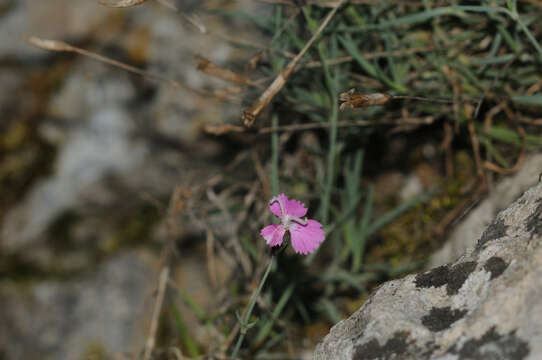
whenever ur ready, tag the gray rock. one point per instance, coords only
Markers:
(486, 305)
(466, 233)
(105, 310)
(54, 19)
(115, 145)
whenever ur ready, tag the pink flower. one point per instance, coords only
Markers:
(306, 235)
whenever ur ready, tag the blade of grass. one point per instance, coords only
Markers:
(494, 152)
(352, 49)
(533, 100)
(274, 156)
(372, 70)
(512, 137)
(396, 212)
(200, 313)
(266, 328)
(330, 310)
(262, 21)
(407, 20)
(358, 246)
(187, 341)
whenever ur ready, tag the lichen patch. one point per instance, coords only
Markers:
(497, 229)
(453, 277)
(496, 266)
(440, 319)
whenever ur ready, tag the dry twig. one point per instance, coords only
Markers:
(54, 45)
(151, 340)
(227, 128)
(210, 68)
(352, 99)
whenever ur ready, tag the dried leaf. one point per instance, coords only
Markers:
(54, 45)
(46, 44)
(351, 99)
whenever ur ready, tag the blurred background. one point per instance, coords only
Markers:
(131, 201)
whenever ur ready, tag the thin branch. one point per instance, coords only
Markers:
(352, 99)
(151, 340)
(226, 128)
(210, 68)
(54, 45)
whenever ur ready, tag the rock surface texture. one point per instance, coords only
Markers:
(103, 312)
(90, 155)
(486, 305)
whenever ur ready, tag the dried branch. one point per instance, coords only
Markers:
(352, 99)
(250, 114)
(208, 67)
(227, 128)
(54, 45)
(151, 340)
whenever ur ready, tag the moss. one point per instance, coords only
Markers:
(412, 236)
(95, 351)
(15, 136)
(132, 229)
(129, 230)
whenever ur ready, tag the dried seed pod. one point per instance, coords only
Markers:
(351, 99)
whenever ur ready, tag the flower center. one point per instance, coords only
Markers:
(287, 219)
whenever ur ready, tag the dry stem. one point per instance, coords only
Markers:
(151, 340)
(54, 45)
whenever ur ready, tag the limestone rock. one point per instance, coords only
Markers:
(120, 139)
(100, 312)
(486, 305)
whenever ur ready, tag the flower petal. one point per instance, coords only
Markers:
(305, 239)
(291, 207)
(273, 234)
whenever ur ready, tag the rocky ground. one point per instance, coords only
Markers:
(90, 156)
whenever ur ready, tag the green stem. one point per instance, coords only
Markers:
(274, 157)
(244, 322)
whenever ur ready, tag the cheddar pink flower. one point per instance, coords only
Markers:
(306, 234)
